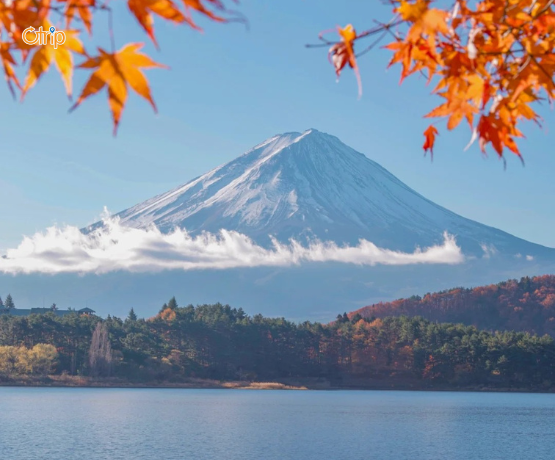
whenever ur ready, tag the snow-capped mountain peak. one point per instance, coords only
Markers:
(311, 185)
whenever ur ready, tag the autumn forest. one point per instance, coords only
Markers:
(526, 305)
(372, 348)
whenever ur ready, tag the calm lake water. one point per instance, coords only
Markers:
(136, 424)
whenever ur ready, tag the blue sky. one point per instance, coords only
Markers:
(228, 89)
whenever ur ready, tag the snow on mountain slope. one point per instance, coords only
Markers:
(311, 185)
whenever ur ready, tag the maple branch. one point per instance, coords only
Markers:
(545, 72)
(545, 9)
(382, 26)
(524, 65)
(374, 43)
(367, 33)
(393, 22)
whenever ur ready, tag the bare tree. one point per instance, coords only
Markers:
(100, 352)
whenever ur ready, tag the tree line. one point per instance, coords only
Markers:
(224, 343)
(7, 304)
(526, 305)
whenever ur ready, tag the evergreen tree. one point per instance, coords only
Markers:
(163, 307)
(172, 304)
(9, 302)
(525, 284)
(132, 316)
(356, 318)
(1, 303)
(53, 307)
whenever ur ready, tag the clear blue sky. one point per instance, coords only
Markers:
(228, 89)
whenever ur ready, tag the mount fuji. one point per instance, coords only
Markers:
(309, 185)
(296, 189)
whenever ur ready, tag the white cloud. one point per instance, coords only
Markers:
(529, 257)
(120, 248)
(489, 251)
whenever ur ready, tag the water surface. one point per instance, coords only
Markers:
(182, 424)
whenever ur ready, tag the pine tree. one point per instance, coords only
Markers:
(1, 303)
(132, 316)
(9, 302)
(163, 307)
(53, 307)
(172, 304)
(356, 318)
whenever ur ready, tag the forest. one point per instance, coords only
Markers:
(527, 305)
(224, 343)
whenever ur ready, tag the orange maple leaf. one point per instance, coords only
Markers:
(44, 55)
(343, 53)
(116, 71)
(81, 7)
(8, 63)
(430, 139)
(143, 10)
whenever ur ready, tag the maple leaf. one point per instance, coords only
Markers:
(428, 21)
(8, 63)
(477, 90)
(166, 9)
(18, 15)
(341, 54)
(81, 7)
(430, 139)
(456, 108)
(117, 71)
(412, 11)
(494, 131)
(44, 55)
(197, 5)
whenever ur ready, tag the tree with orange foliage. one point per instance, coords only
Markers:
(490, 60)
(28, 28)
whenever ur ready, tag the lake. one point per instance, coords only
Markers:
(182, 424)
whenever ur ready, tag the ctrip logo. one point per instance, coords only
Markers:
(41, 37)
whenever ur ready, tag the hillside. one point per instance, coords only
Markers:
(525, 305)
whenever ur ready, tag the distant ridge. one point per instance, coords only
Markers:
(524, 305)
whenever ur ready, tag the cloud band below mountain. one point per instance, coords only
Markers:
(119, 248)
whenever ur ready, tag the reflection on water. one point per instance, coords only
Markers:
(137, 424)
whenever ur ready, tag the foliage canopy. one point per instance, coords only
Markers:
(491, 61)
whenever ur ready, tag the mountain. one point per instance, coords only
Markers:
(304, 186)
(525, 305)
(311, 185)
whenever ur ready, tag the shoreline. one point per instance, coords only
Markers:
(57, 381)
